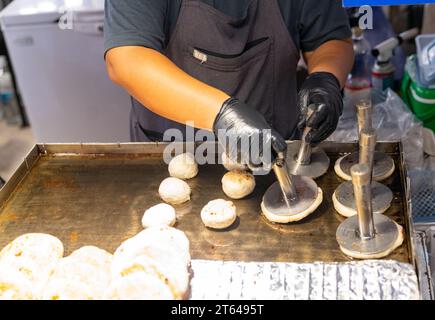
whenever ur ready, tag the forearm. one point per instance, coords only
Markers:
(336, 57)
(165, 89)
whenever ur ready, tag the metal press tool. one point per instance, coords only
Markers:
(303, 160)
(344, 197)
(383, 165)
(367, 235)
(290, 195)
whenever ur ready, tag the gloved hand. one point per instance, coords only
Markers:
(323, 90)
(245, 133)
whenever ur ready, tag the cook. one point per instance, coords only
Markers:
(231, 66)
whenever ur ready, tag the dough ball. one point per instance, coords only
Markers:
(376, 175)
(14, 285)
(175, 276)
(138, 286)
(77, 279)
(33, 257)
(231, 165)
(84, 275)
(159, 252)
(174, 191)
(238, 184)
(183, 167)
(37, 247)
(159, 215)
(93, 256)
(294, 218)
(163, 244)
(219, 214)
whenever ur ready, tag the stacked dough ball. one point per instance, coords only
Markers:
(154, 264)
(26, 265)
(175, 190)
(151, 265)
(237, 184)
(84, 275)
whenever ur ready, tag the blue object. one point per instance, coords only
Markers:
(360, 3)
(5, 98)
(426, 57)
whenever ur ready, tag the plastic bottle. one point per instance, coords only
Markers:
(358, 85)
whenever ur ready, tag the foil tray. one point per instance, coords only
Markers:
(368, 280)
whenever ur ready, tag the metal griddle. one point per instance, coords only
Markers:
(97, 194)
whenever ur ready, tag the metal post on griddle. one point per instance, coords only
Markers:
(366, 235)
(364, 110)
(285, 179)
(367, 143)
(361, 177)
(304, 155)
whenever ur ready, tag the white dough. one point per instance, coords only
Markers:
(183, 167)
(93, 256)
(345, 211)
(163, 244)
(76, 279)
(347, 177)
(32, 256)
(341, 209)
(14, 285)
(219, 214)
(238, 184)
(174, 275)
(84, 275)
(138, 286)
(161, 253)
(230, 165)
(160, 215)
(174, 191)
(380, 255)
(294, 218)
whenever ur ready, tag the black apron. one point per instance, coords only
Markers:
(253, 59)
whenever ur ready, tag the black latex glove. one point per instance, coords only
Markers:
(247, 129)
(323, 90)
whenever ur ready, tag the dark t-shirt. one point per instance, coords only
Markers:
(149, 23)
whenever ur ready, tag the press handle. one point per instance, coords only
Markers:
(304, 154)
(364, 110)
(285, 179)
(361, 178)
(367, 143)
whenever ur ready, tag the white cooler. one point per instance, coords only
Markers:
(61, 72)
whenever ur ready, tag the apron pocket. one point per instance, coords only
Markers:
(230, 62)
(248, 76)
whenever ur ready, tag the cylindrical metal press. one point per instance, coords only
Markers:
(290, 195)
(302, 159)
(366, 235)
(367, 145)
(382, 165)
(364, 110)
(285, 180)
(361, 177)
(344, 197)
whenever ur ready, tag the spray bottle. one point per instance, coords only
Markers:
(383, 70)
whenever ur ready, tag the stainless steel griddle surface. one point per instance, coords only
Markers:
(97, 197)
